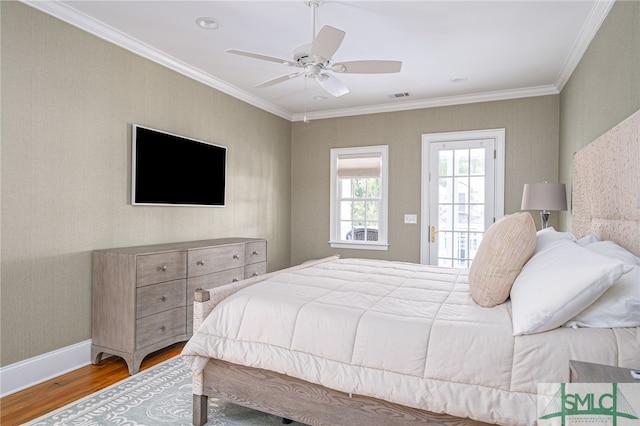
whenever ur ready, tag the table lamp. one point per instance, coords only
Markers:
(545, 197)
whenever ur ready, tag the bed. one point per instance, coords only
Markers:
(365, 342)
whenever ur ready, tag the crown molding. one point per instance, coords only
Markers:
(84, 22)
(99, 29)
(589, 30)
(499, 95)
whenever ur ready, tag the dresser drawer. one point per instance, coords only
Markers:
(212, 280)
(255, 252)
(160, 297)
(255, 269)
(156, 268)
(158, 327)
(215, 259)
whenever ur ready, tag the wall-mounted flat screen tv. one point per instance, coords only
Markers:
(173, 170)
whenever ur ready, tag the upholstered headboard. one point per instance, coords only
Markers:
(606, 186)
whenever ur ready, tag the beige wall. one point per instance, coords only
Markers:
(68, 100)
(531, 149)
(604, 89)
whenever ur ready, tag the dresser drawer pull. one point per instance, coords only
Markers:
(255, 253)
(235, 256)
(163, 328)
(235, 280)
(162, 268)
(200, 262)
(163, 298)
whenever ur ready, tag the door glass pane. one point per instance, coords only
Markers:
(461, 190)
(476, 189)
(445, 217)
(476, 218)
(445, 163)
(445, 190)
(477, 161)
(445, 249)
(460, 248)
(474, 242)
(461, 158)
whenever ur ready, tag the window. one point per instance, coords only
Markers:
(359, 192)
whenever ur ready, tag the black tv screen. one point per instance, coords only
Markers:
(172, 170)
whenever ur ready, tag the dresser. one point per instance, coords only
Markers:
(143, 296)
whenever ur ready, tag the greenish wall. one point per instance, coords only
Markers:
(68, 100)
(531, 155)
(604, 89)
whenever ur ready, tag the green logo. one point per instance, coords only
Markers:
(612, 405)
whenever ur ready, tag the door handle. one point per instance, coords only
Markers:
(433, 234)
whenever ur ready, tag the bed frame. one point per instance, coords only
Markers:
(605, 188)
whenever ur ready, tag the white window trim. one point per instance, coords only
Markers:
(334, 240)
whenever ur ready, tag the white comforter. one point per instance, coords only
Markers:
(406, 333)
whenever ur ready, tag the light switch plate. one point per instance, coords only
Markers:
(410, 218)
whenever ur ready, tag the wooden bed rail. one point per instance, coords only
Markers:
(291, 398)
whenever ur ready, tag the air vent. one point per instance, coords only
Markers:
(399, 95)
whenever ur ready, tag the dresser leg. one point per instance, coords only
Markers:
(96, 355)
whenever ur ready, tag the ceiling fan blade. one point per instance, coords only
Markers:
(332, 85)
(278, 79)
(327, 42)
(262, 57)
(367, 67)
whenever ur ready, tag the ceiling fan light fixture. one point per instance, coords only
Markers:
(207, 23)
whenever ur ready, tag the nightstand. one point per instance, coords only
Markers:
(587, 372)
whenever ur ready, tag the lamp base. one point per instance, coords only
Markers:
(544, 217)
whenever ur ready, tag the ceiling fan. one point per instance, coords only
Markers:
(315, 59)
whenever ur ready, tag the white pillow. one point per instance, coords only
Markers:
(619, 306)
(549, 235)
(587, 239)
(557, 283)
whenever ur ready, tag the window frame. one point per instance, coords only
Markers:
(334, 213)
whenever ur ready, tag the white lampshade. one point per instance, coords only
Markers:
(544, 196)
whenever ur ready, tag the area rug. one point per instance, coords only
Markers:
(160, 395)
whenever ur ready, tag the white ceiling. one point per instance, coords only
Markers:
(503, 49)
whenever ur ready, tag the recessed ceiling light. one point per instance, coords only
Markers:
(207, 23)
(320, 98)
(459, 80)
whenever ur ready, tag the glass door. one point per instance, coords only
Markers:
(461, 204)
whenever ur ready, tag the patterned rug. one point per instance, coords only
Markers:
(157, 396)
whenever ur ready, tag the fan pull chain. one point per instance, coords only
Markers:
(305, 100)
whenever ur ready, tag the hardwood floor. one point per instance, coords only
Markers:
(48, 396)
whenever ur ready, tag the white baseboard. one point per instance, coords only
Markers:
(32, 371)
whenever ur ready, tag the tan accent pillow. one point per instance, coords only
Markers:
(505, 248)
